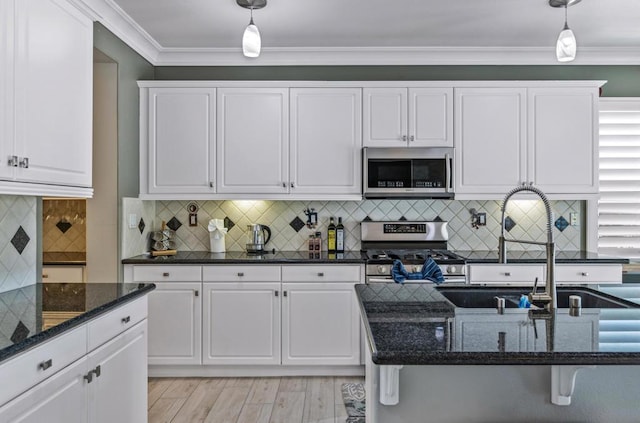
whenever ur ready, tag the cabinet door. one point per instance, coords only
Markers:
(241, 323)
(490, 139)
(326, 141)
(53, 93)
(7, 145)
(431, 117)
(60, 399)
(253, 140)
(181, 149)
(385, 117)
(569, 334)
(175, 321)
(320, 324)
(118, 390)
(480, 332)
(563, 140)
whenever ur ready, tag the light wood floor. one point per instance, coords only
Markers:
(247, 400)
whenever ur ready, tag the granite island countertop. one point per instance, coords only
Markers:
(25, 312)
(241, 257)
(414, 324)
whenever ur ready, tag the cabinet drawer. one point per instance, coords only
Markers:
(520, 274)
(21, 373)
(115, 322)
(326, 273)
(249, 273)
(167, 273)
(589, 273)
(63, 274)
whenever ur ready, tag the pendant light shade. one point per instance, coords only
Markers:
(251, 41)
(566, 46)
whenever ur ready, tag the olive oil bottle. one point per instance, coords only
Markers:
(340, 237)
(331, 236)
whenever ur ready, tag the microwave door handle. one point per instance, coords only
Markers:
(447, 176)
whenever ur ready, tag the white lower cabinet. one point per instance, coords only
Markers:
(175, 328)
(483, 332)
(241, 323)
(108, 384)
(320, 324)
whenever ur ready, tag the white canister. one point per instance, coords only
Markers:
(217, 233)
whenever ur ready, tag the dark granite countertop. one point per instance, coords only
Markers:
(414, 324)
(241, 257)
(562, 256)
(24, 312)
(64, 258)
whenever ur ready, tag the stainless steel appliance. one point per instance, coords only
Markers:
(412, 242)
(257, 237)
(421, 172)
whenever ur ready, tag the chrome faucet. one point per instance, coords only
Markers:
(549, 297)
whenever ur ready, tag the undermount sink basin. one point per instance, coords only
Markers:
(482, 297)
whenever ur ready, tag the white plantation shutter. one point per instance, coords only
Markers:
(619, 204)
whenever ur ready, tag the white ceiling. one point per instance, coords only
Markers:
(377, 31)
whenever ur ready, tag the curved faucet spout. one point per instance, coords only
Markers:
(549, 297)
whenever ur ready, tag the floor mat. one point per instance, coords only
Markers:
(353, 397)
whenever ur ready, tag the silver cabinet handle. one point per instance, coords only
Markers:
(404, 138)
(292, 185)
(88, 377)
(97, 371)
(196, 292)
(276, 293)
(240, 274)
(210, 184)
(284, 185)
(24, 163)
(284, 293)
(507, 273)
(45, 364)
(165, 274)
(13, 161)
(320, 274)
(45, 276)
(412, 138)
(585, 274)
(126, 319)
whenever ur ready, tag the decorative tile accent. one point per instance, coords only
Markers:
(297, 224)
(561, 223)
(174, 224)
(64, 226)
(141, 226)
(437, 219)
(20, 333)
(20, 240)
(228, 223)
(509, 224)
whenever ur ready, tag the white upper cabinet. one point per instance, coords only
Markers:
(414, 117)
(47, 87)
(545, 136)
(490, 139)
(180, 148)
(253, 140)
(563, 139)
(326, 142)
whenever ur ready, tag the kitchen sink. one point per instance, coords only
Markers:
(482, 297)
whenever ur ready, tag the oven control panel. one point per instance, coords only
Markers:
(404, 228)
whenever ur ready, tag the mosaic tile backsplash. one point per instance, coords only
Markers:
(528, 221)
(63, 226)
(17, 243)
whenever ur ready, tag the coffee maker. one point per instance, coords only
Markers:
(257, 237)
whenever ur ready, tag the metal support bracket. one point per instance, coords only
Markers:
(389, 384)
(563, 381)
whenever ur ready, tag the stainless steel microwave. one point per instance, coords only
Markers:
(420, 172)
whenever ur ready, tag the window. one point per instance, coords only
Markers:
(619, 204)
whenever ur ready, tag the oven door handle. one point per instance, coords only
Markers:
(380, 279)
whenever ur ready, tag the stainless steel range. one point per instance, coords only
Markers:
(412, 242)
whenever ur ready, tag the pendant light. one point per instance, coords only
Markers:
(566, 45)
(251, 42)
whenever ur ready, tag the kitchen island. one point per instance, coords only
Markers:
(429, 360)
(74, 352)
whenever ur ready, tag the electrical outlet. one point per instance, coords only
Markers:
(133, 221)
(573, 218)
(482, 219)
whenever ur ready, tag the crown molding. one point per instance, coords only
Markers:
(108, 13)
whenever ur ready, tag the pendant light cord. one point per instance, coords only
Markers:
(566, 26)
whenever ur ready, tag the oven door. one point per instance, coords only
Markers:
(408, 172)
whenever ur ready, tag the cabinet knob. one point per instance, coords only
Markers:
(284, 185)
(507, 273)
(97, 371)
(210, 184)
(240, 274)
(404, 138)
(45, 364)
(126, 319)
(45, 276)
(412, 138)
(88, 377)
(165, 274)
(585, 274)
(24, 163)
(292, 185)
(13, 161)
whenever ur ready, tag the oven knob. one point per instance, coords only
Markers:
(451, 269)
(383, 270)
